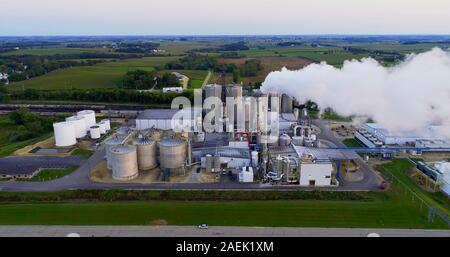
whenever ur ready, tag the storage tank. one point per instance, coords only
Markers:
(217, 163)
(124, 162)
(275, 102)
(65, 134)
(102, 127)
(172, 153)
(262, 106)
(123, 131)
(233, 90)
(255, 158)
(297, 113)
(285, 140)
(213, 90)
(297, 140)
(109, 144)
(90, 117)
(146, 154)
(107, 124)
(209, 162)
(95, 132)
(80, 125)
(287, 104)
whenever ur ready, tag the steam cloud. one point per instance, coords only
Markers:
(405, 98)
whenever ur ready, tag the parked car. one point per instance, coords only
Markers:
(203, 226)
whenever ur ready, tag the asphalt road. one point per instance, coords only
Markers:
(192, 231)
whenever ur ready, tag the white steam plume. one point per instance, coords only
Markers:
(404, 98)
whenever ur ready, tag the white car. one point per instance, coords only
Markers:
(203, 226)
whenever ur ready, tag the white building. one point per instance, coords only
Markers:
(316, 173)
(246, 175)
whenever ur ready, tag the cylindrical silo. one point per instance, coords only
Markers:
(213, 90)
(146, 153)
(255, 158)
(102, 127)
(65, 134)
(172, 153)
(209, 159)
(109, 144)
(80, 125)
(122, 131)
(124, 160)
(107, 124)
(90, 117)
(297, 140)
(287, 104)
(217, 163)
(95, 132)
(262, 109)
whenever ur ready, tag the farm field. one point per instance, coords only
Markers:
(103, 75)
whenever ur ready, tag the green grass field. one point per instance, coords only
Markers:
(54, 51)
(391, 209)
(351, 142)
(6, 147)
(51, 174)
(103, 75)
(83, 153)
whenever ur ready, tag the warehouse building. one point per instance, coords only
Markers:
(166, 119)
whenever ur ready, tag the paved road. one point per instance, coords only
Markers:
(192, 231)
(371, 180)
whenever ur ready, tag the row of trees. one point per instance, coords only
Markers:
(140, 79)
(100, 95)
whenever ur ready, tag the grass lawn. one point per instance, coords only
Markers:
(391, 209)
(351, 142)
(51, 174)
(400, 168)
(83, 153)
(103, 75)
(6, 147)
(335, 116)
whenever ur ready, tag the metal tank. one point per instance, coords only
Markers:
(90, 117)
(146, 154)
(102, 127)
(209, 162)
(172, 153)
(217, 163)
(275, 102)
(285, 140)
(212, 90)
(80, 125)
(297, 140)
(262, 105)
(287, 104)
(123, 131)
(255, 158)
(124, 160)
(107, 124)
(65, 134)
(95, 132)
(109, 144)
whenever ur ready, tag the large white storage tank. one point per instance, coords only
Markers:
(95, 132)
(65, 134)
(146, 152)
(124, 162)
(109, 144)
(80, 125)
(172, 153)
(90, 117)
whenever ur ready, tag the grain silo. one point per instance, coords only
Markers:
(285, 140)
(274, 102)
(209, 162)
(65, 134)
(213, 90)
(79, 123)
(287, 104)
(90, 117)
(172, 153)
(109, 144)
(124, 162)
(217, 163)
(95, 132)
(146, 154)
(262, 109)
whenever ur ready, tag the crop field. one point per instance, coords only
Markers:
(332, 55)
(401, 48)
(103, 75)
(54, 51)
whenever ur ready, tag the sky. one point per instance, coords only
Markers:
(223, 17)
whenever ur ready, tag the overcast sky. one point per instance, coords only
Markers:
(223, 17)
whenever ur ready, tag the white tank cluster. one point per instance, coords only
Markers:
(81, 124)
